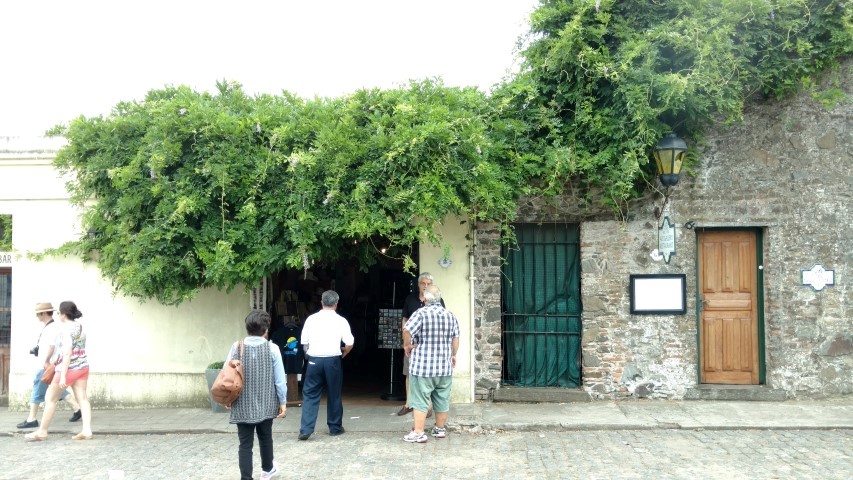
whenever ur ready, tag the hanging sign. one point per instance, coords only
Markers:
(6, 259)
(258, 296)
(666, 239)
(818, 277)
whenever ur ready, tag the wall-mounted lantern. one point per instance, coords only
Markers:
(669, 157)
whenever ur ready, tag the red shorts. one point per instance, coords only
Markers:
(72, 376)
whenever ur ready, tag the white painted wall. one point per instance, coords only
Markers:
(169, 346)
(456, 292)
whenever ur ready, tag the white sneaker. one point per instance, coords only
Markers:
(266, 475)
(416, 437)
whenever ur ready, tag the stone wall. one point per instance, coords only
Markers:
(789, 168)
(648, 355)
(786, 170)
(487, 312)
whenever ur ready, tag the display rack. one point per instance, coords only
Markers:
(390, 337)
(390, 334)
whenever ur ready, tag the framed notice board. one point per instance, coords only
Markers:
(655, 294)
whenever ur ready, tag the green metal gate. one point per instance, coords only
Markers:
(541, 319)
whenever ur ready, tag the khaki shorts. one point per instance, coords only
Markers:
(424, 389)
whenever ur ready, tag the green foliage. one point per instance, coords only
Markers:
(5, 233)
(196, 190)
(604, 80)
(829, 92)
(830, 98)
(216, 365)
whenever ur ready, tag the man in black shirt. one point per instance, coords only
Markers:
(414, 301)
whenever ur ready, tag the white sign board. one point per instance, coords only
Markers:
(818, 277)
(6, 259)
(658, 294)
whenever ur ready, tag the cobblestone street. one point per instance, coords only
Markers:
(641, 454)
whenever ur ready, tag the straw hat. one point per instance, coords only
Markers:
(44, 307)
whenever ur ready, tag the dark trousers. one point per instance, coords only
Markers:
(322, 372)
(246, 434)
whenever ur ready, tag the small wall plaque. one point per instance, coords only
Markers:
(818, 277)
(666, 239)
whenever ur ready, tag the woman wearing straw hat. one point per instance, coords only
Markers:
(73, 371)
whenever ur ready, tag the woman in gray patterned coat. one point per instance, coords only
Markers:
(264, 395)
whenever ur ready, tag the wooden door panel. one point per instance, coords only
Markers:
(710, 275)
(712, 353)
(746, 260)
(729, 268)
(727, 339)
(729, 316)
(729, 302)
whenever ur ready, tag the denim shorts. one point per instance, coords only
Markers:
(40, 389)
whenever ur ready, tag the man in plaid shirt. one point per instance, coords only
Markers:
(431, 363)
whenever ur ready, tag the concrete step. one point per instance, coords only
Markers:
(540, 395)
(758, 393)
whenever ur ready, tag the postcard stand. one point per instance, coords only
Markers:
(390, 337)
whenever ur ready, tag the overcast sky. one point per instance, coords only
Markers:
(61, 59)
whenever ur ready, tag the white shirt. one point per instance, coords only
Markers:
(324, 331)
(49, 337)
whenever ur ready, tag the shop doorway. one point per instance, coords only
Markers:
(368, 300)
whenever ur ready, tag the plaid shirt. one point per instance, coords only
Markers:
(435, 328)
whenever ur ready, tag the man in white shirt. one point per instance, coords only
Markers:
(46, 353)
(322, 336)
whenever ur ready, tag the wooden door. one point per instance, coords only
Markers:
(5, 327)
(728, 320)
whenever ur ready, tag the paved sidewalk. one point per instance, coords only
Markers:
(614, 415)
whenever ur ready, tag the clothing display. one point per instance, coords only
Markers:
(288, 338)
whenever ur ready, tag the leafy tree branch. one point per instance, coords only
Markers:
(194, 190)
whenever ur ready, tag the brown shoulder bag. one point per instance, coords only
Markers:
(229, 383)
(49, 372)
